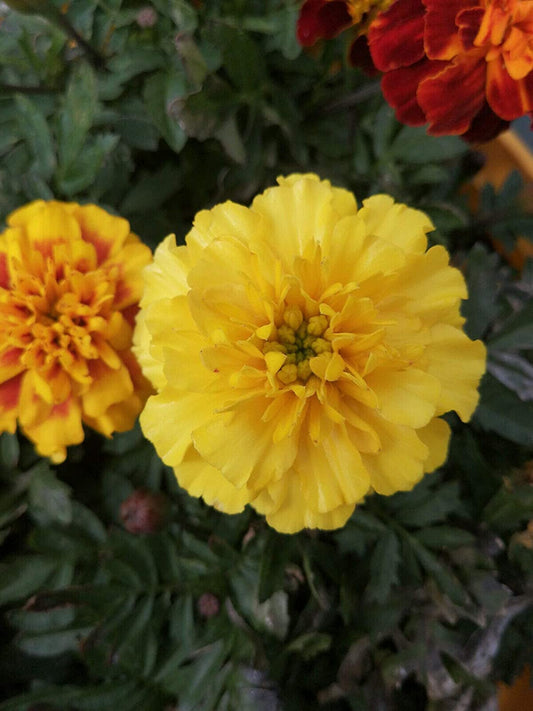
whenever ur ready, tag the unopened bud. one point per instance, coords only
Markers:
(144, 511)
(146, 17)
(208, 605)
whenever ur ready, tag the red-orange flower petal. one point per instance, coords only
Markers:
(400, 90)
(464, 79)
(441, 39)
(467, 64)
(507, 97)
(396, 37)
(322, 19)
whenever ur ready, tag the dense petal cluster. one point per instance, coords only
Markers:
(303, 350)
(70, 283)
(463, 66)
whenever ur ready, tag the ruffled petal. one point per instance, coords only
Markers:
(62, 427)
(464, 80)
(507, 97)
(321, 19)
(200, 479)
(400, 87)
(436, 436)
(441, 37)
(459, 364)
(400, 463)
(396, 37)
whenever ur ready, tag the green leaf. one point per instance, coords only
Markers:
(51, 644)
(9, 450)
(517, 331)
(438, 537)
(500, 410)
(442, 575)
(310, 644)
(48, 498)
(435, 505)
(242, 58)
(34, 129)
(23, 576)
(276, 554)
(481, 307)
(160, 91)
(81, 173)
(77, 114)
(513, 371)
(384, 563)
(413, 145)
(230, 138)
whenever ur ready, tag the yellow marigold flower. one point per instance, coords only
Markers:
(70, 283)
(303, 351)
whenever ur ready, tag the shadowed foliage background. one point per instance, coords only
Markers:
(117, 589)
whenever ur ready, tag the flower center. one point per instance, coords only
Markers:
(300, 339)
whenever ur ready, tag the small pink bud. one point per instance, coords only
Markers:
(146, 17)
(208, 605)
(144, 511)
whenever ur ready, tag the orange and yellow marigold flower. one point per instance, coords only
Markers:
(70, 283)
(303, 351)
(463, 66)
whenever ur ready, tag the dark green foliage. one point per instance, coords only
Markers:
(423, 600)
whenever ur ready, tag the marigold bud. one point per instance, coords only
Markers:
(208, 605)
(144, 512)
(146, 17)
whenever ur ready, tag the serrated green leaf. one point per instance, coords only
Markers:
(500, 410)
(77, 114)
(275, 557)
(309, 644)
(23, 576)
(384, 564)
(517, 331)
(435, 506)
(413, 145)
(481, 307)
(513, 371)
(34, 129)
(438, 537)
(81, 173)
(49, 498)
(160, 91)
(51, 644)
(442, 575)
(9, 450)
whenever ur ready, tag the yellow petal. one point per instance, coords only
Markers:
(406, 397)
(62, 427)
(396, 223)
(436, 436)
(459, 364)
(169, 418)
(109, 386)
(201, 479)
(400, 463)
(107, 233)
(241, 445)
(282, 504)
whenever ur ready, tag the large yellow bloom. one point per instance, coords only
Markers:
(70, 283)
(303, 350)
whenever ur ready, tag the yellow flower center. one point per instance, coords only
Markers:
(300, 339)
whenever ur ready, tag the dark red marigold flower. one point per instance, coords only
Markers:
(465, 67)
